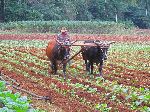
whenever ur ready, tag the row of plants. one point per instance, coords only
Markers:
(31, 58)
(14, 102)
(113, 69)
(80, 27)
(73, 70)
(133, 56)
(60, 88)
(124, 53)
(89, 89)
(38, 83)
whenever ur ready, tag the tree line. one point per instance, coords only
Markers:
(136, 11)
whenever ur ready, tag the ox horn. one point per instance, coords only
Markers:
(101, 42)
(111, 42)
(97, 42)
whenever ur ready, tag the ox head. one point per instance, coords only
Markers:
(104, 53)
(64, 48)
(104, 45)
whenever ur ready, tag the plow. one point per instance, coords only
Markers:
(86, 43)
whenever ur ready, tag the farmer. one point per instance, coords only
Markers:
(64, 38)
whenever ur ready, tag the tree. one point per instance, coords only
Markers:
(83, 13)
(2, 11)
(105, 9)
(147, 5)
(114, 9)
(83, 10)
(97, 9)
(69, 10)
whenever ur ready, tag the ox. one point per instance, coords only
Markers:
(94, 54)
(56, 52)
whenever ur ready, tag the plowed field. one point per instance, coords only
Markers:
(124, 86)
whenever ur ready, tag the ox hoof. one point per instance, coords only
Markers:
(54, 73)
(101, 77)
(87, 73)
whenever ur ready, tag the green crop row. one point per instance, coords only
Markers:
(88, 27)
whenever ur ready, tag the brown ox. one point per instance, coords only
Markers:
(56, 51)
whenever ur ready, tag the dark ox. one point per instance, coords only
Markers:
(56, 51)
(94, 54)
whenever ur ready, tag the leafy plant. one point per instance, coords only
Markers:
(2, 85)
(103, 107)
(91, 90)
(14, 102)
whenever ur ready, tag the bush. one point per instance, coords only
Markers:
(88, 27)
(142, 22)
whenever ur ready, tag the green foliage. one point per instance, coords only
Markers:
(79, 10)
(137, 16)
(88, 27)
(14, 102)
(18, 11)
(103, 107)
(2, 85)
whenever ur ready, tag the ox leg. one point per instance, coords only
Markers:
(87, 66)
(100, 68)
(91, 66)
(54, 67)
(64, 71)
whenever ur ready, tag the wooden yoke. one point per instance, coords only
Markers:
(102, 44)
